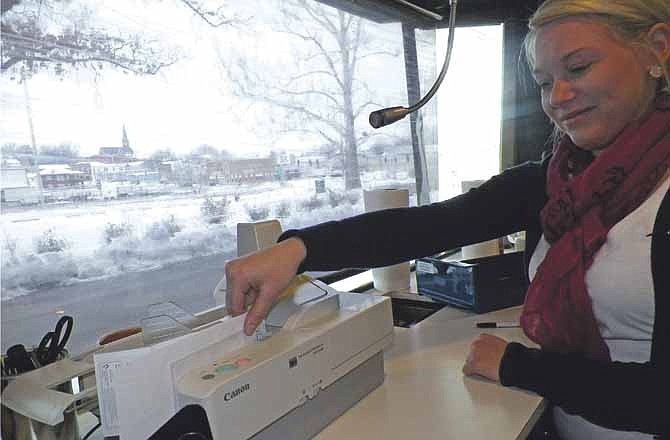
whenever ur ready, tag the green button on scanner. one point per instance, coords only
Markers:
(226, 368)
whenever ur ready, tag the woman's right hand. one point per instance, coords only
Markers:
(258, 279)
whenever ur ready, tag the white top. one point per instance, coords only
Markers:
(623, 305)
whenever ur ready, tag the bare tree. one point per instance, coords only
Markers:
(325, 97)
(64, 149)
(33, 40)
(205, 150)
(214, 13)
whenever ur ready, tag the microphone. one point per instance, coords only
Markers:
(386, 116)
(389, 115)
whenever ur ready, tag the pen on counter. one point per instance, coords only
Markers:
(499, 324)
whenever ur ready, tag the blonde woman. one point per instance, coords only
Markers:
(596, 215)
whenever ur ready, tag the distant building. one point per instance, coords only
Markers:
(212, 171)
(130, 171)
(166, 171)
(14, 184)
(61, 176)
(96, 171)
(124, 151)
(217, 171)
(116, 152)
(242, 170)
(84, 167)
(106, 159)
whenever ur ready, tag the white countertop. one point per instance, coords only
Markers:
(425, 392)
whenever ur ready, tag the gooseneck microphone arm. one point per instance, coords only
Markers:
(386, 116)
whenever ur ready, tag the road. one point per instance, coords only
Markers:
(99, 307)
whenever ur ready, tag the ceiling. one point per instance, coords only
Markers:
(470, 12)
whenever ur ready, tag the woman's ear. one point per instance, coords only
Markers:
(658, 39)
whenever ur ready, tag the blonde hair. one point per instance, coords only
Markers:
(629, 19)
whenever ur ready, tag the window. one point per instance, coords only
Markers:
(470, 108)
(186, 118)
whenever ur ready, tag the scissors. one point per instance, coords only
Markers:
(53, 342)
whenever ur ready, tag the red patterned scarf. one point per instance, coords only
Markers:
(587, 197)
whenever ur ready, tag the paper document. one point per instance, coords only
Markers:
(136, 386)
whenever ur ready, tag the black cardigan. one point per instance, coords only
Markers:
(623, 396)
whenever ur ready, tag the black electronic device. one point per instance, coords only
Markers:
(481, 284)
(190, 423)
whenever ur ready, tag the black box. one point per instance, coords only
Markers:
(481, 284)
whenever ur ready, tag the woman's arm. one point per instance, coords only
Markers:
(616, 395)
(504, 204)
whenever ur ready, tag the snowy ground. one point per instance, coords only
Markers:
(157, 230)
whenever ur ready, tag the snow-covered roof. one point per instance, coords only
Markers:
(11, 163)
(46, 170)
(55, 166)
(141, 173)
(102, 165)
(92, 163)
(54, 172)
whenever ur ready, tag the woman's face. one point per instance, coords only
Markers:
(593, 84)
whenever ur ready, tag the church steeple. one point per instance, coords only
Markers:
(124, 142)
(125, 147)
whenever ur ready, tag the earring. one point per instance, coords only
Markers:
(656, 71)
